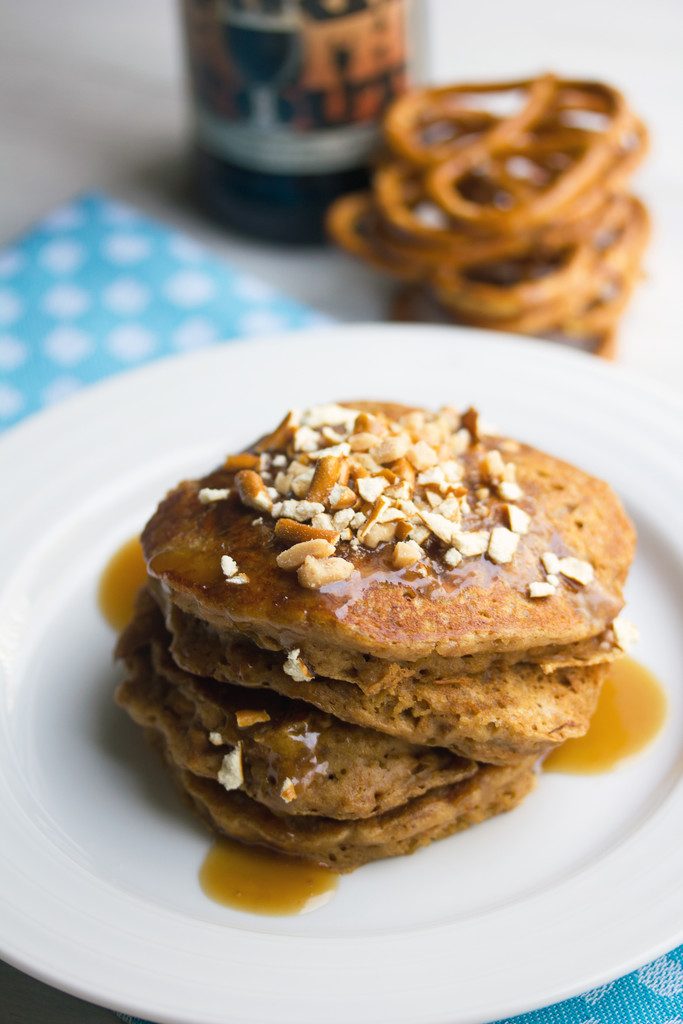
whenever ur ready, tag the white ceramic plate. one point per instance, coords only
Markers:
(99, 861)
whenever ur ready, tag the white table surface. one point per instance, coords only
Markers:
(92, 96)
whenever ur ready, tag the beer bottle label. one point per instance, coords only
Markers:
(293, 86)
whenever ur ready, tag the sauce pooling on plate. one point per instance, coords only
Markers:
(630, 713)
(120, 581)
(263, 882)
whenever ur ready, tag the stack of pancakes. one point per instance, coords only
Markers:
(366, 631)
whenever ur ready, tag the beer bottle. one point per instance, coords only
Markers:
(287, 97)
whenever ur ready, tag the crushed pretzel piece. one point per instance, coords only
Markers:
(403, 530)
(370, 487)
(541, 589)
(421, 456)
(332, 436)
(404, 470)
(228, 566)
(282, 434)
(438, 525)
(330, 415)
(288, 791)
(362, 442)
(291, 531)
(306, 440)
(301, 511)
(245, 719)
(406, 553)
(323, 521)
(576, 569)
(207, 495)
(518, 519)
(342, 519)
(502, 545)
(315, 573)
(379, 533)
(390, 449)
(492, 465)
(625, 633)
(433, 475)
(293, 557)
(301, 483)
(452, 558)
(246, 460)
(551, 562)
(341, 497)
(283, 483)
(324, 478)
(230, 774)
(471, 542)
(472, 423)
(296, 668)
(509, 490)
(340, 450)
(376, 511)
(419, 534)
(252, 490)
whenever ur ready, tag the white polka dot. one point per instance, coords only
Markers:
(261, 321)
(126, 248)
(11, 263)
(61, 256)
(189, 288)
(59, 388)
(66, 300)
(11, 401)
(252, 290)
(126, 296)
(185, 248)
(194, 333)
(64, 217)
(117, 213)
(12, 352)
(10, 306)
(130, 342)
(68, 345)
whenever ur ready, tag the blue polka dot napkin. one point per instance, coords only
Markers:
(96, 288)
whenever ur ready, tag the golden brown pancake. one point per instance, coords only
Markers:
(345, 845)
(336, 770)
(512, 713)
(477, 606)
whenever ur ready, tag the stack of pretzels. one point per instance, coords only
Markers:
(506, 206)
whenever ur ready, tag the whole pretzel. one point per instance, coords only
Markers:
(519, 222)
(591, 158)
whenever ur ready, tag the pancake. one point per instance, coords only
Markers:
(502, 717)
(481, 605)
(371, 673)
(322, 765)
(347, 845)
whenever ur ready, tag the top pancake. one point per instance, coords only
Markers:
(429, 608)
